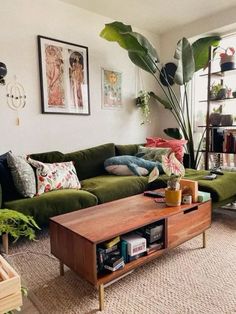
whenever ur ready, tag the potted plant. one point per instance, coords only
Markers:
(142, 102)
(227, 59)
(189, 59)
(16, 224)
(175, 170)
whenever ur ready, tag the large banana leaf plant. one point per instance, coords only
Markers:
(189, 59)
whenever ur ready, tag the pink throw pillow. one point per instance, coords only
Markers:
(175, 145)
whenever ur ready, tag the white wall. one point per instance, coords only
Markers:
(222, 23)
(21, 22)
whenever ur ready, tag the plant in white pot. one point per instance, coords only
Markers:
(175, 170)
(227, 59)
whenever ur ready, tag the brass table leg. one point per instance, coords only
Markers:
(204, 239)
(101, 297)
(5, 242)
(61, 268)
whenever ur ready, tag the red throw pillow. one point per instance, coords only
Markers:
(175, 145)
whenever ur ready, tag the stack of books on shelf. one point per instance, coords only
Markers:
(109, 256)
(114, 254)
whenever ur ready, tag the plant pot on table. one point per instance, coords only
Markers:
(173, 197)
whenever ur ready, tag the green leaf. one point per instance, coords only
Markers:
(17, 224)
(201, 50)
(173, 132)
(186, 66)
(121, 33)
(164, 102)
(140, 50)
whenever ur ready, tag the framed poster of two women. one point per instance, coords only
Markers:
(64, 77)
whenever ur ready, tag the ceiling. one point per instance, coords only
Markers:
(157, 16)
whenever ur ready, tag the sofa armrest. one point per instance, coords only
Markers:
(0, 196)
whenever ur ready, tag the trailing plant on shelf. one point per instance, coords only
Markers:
(189, 58)
(17, 224)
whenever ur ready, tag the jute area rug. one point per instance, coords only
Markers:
(187, 279)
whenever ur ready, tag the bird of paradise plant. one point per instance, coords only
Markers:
(189, 58)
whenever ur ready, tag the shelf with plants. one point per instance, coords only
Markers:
(220, 128)
(218, 100)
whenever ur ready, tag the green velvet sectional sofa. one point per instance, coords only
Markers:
(100, 187)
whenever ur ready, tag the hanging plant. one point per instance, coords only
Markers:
(142, 102)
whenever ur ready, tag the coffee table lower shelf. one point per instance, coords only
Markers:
(105, 279)
(83, 230)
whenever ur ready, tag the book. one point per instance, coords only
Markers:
(133, 258)
(113, 261)
(135, 243)
(123, 250)
(190, 186)
(118, 266)
(111, 243)
(154, 247)
(203, 196)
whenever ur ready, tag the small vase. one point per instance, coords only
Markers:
(173, 197)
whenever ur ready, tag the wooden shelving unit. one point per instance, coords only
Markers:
(209, 128)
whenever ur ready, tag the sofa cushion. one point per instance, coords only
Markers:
(89, 162)
(22, 174)
(110, 187)
(152, 153)
(53, 203)
(55, 176)
(177, 146)
(128, 149)
(49, 157)
(9, 191)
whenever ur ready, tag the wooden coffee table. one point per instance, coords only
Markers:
(74, 236)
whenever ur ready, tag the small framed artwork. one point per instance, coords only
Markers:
(111, 89)
(64, 77)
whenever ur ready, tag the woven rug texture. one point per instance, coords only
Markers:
(187, 279)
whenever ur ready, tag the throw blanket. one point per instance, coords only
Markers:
(221, 188)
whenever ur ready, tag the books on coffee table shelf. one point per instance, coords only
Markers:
(112, 255)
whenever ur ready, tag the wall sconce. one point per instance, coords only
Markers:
(3, 73)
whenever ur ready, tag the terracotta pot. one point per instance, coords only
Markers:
(173, 197)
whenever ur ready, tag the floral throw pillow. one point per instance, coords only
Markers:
(55, 176)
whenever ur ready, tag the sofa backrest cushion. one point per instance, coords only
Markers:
(90, 162)
(9, 191)
(128, 149)
(48, 157)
